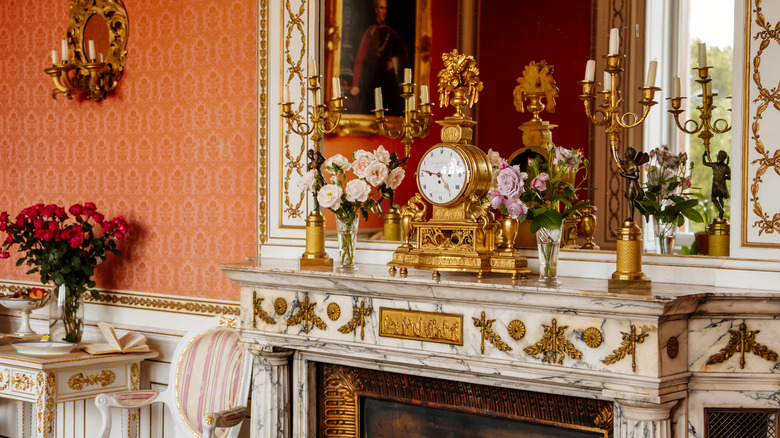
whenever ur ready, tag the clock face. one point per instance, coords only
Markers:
(442, 175)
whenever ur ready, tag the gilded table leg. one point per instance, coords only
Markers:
(131, 417)
(45, 407)
(23, 419)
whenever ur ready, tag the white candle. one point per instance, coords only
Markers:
(607, 81)
(336, 87)
(614, 41)
(702, 55)
(407, 75)
(286, 94)
(64, 51)
(424, 97)
(312, 67)
(590, 70)
(54, 57)
(91, 50)
(100, 57)
(651, 70)
(676, 87)
(378, 98)
(319, 96)
(412, 103)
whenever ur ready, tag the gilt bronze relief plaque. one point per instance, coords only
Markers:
(444, 328)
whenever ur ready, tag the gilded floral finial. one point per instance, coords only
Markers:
(461, 77)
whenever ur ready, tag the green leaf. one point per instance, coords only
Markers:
(20, 261)
(693, 215)
(95, 294)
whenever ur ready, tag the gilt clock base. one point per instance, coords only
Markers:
(480, 264)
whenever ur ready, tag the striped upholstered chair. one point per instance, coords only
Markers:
(209, 384)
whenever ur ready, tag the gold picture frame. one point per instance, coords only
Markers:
(346, 21)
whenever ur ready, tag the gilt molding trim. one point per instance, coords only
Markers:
(78, 381)
(765, 103)
(262, 123)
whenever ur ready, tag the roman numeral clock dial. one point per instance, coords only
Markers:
(442, 175)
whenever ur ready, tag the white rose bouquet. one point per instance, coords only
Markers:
(347, 194)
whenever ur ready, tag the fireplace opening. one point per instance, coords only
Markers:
(357, 402)
(391, 419)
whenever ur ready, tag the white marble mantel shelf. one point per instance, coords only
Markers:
(699, 318)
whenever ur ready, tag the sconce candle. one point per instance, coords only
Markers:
(424, 97)
(607, 81)
(590, 70)
(676, 87)
(312, 67)
(702, 55)
(407, 76)
(651, 70)
(54, 57)
(412, 103)
(614, 41)
(286, 94)
(336, 87)
(100, 57)
(378, 98)
(64, 51)
(91, 50)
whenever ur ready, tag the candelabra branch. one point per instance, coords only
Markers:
(321, 119)
(415, 123)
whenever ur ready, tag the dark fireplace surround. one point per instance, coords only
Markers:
(343, 390)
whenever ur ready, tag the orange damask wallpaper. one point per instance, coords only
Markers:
(173, 149)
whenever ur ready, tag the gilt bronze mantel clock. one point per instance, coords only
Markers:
(453, 177)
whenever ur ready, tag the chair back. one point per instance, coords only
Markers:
(212, 372)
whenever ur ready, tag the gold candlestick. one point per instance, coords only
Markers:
(416, 123)
(629, 275)
(719, 230)
(324, 120)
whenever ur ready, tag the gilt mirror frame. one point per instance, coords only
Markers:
(118, 26)
(335, 34)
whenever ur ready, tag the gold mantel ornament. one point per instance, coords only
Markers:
(628, 346)
(486, 330)
(454, 177)
(359, 315)
(307, 316)
(554, 346)
(81, 70)
(742, 341)
(629, 276)
(258, 312)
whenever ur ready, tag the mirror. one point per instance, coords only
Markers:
(96, 31)
(510, 37)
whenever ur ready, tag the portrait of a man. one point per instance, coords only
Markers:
(377, 45)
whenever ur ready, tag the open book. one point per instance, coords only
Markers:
(132, 342)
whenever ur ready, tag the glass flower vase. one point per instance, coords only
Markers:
(66, 315)
(347, 232)
(548, 242)
(665, 233)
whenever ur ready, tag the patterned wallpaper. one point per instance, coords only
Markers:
(173, 149)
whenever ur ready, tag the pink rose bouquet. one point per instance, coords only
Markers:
(668, 178)
(508, 185)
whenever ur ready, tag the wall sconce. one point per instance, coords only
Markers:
(95, 27)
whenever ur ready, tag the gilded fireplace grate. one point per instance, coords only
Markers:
(340, 389)
(743, 423)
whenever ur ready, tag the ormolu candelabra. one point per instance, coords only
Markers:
(415, 122)
(324, 120)
(629, 275)
(719, 230)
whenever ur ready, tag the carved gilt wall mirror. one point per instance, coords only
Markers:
(96, 49)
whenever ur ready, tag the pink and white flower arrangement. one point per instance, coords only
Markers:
(508, 185)
(668, 179)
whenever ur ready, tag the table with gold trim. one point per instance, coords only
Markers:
(45, 381)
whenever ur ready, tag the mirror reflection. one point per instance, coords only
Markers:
(96, 30)
(510, 37)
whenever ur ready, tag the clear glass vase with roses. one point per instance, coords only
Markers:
(550, 197)
(354, 189)
(64, 250)
(665, 197)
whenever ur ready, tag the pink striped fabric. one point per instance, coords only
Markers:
(209, 376)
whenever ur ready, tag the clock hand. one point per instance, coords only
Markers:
(446, 186)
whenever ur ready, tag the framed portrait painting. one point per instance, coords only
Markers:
(368, 45)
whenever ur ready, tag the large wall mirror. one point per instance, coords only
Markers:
(505, 39)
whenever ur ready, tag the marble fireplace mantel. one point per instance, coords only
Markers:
(657, 358)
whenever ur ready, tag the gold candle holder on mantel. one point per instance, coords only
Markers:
(706, 128)
(415, 123)
(628, 276)
(319, 121)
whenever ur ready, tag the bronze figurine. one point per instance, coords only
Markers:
(720, 173)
